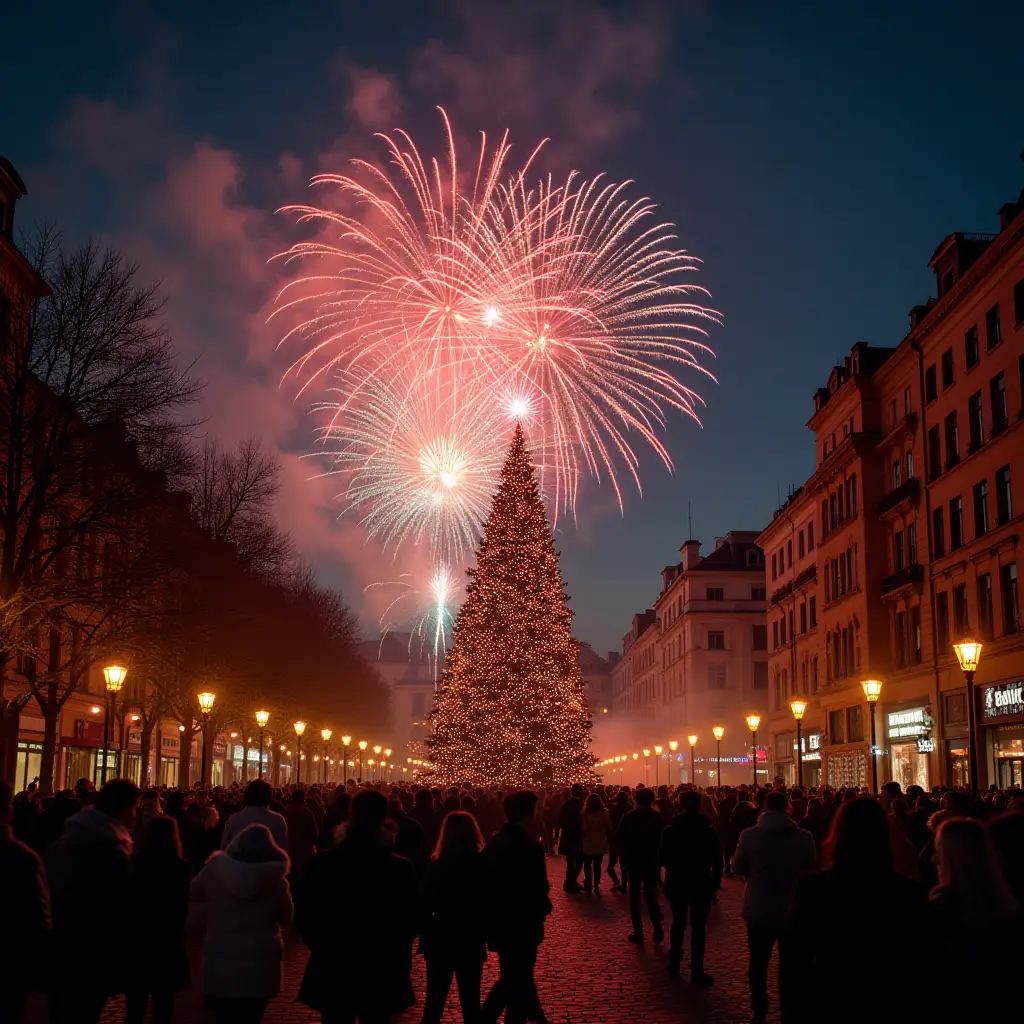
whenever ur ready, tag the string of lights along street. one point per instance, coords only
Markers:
(511, 708)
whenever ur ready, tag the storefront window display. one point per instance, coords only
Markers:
(959, 768)
(1002, 713)
(909, 733)
(29, 761)
(847, 769)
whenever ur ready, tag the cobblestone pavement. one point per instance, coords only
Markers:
(587, 973)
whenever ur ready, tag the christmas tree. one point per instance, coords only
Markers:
(511, 708)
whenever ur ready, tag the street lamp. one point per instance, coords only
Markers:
(362, 751)
(799, 708)
(647, 762)
(370, 764)
(673, 746)
(873, 690)
(325, 735)
(346, 742)
(262, 717)
(387, 754)
(692, 740)
(968, 653)
(205, 707)
(113, 676)
(718, 732)
(300, 728)
(657, 765)
(753, 721)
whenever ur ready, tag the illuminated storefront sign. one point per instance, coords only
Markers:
(908, 724)
(1004, 700)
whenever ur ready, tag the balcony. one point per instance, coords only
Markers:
(907, 578)
(899, 498)
(807, 576)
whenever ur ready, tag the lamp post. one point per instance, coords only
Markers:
(673, 746)
(300, 728)
(636, 756)
(325, 735)
(362, 751)
(647, 762)
(205, 707)
(262, 717)
(113, 677)
(377, 749)
(346, 742)
(718, 732)
(873, 690)
(692, 740)
(968, 653)
(753, 721)
(799, 708)
(387, 754)
(657, 765)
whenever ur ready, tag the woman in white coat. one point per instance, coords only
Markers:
(248, 904)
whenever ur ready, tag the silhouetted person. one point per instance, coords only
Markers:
(159, 885)
(691, 854)
(25, 934)
(570, 838)
(424, 812)
(359, 973)
(596, 824)
(258, 796)
(1007, 832)
(517, 903)
(618, 810)
(302, 832)
(335, 815)
(248, 904)
(772, 855)
(410, 839)
(638, 840)
(815, 822)
(835, 917)
(452, 937)
(88, 869)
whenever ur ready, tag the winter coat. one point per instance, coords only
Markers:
(251, 815)
(691, 854)
(247, 906)
(597, 832)
(453, 902)
(570, 839)
(302, 834)
(358, 913)
(516, 890)
(88, 870)
(638, 838)
(773, 855)
(25, 936)
(161, 886)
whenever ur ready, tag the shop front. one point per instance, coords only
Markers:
(954, 739)
(909, 736)
(219, 752)
(847, 768)
(1002, 721)
(83, 754)
(167, 774)
(786, 767)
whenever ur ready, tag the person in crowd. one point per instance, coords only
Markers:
(258, 796)
(619, 809)
(638, 840)
(596, 825)
(51, 822)
(664, 805)
(25, 935)
(424, 812)
(335, 815)
(410, 840)
(815, 822)
(302, 832)
(247, 903)
(976, 918)
(452, 938)
(160, 889)
(726, 803)
(88, 869)
(691, 854)
(742, 816)
(1007, 833)
(834, 918)
(359, 974)
(570, 838)
(200, 830)
(517, 904)
(772, 855)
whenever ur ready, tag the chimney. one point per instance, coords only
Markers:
(691, 554)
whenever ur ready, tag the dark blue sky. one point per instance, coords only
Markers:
(812, 154)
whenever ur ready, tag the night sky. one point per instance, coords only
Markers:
(813, 158)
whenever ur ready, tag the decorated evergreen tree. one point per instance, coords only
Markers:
(511, 708)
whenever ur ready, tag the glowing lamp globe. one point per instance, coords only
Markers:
(325, 734)
(262, 717)
(206, 701)
(968, 653)
(872, 689)
(718, 731)
(114, 676)
(387, 751)
(299, 727)
(692, 739)
(363, 744)
(657, 750)
(647, 751)
(636, 757)
(798, 707)
(346, 741)
(673, 745)
(377, 749)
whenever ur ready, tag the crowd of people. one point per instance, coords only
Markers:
(884, 907)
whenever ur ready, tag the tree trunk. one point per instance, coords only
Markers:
(10, 722)
(245, 762)
(145, 749)
(185, 759)
(48, 758)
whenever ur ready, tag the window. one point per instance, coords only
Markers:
(952, 441)
(715, 594)
(1010, 596)
(837, 726)
(972, 350)
(824, 517)
(803, 677)
(976, 421)
(775, 634)
(1004, 496)
(912, 544)
(777, 691)
(910, 465)
(758, 593)
(760, 638)
(915, 635)
(897, 473)
(854, 724)
(853, 492)
(900, 639)
(810, 536)
(782, 629)
(716, 640)
(760, 675)
(803, 617)
(981, 508)
(716, 677)
(938, 533)
(789, 553)
(931, 389)
(960, 610)
(1018, 302)
(775, 571)
(934, 454)
(947, 369)
(956, 523)
(907, 402)
(993, 328)
(814, 675)
(813, 611)
(897, 551)
(985, 620)
(942, 620)
(997, 398)
(800, 544)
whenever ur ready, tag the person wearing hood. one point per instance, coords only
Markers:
(773, 855)
(691, 854)
(248, 905)
(258, 796)
(89, 871)
(364, 974)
